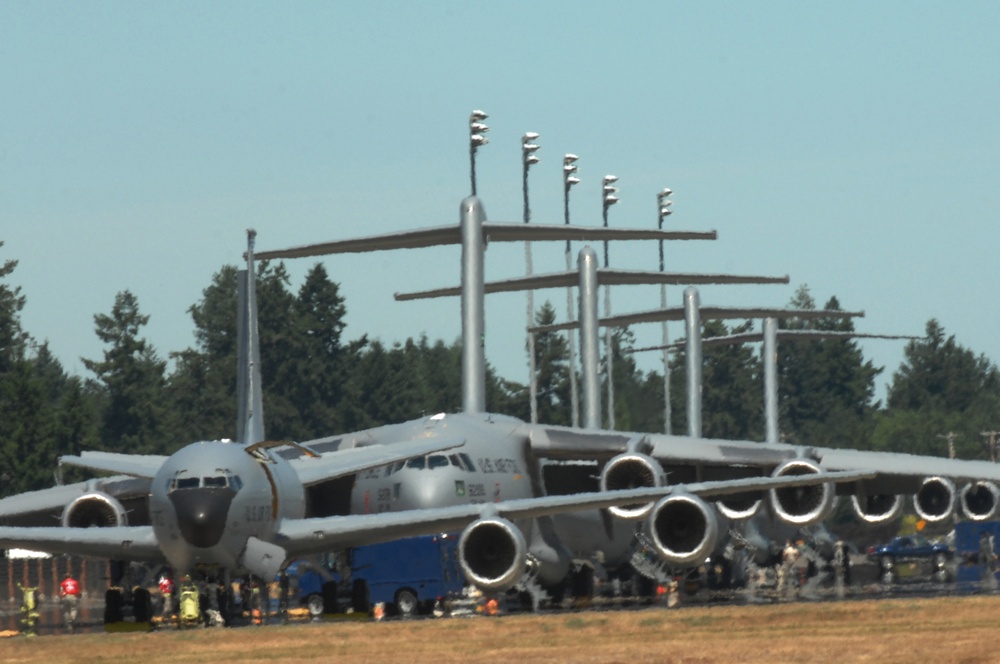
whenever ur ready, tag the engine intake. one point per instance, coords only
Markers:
(738, 507)
(492, 553)
(877, 508)
(980, 500)
(803, 505)
(683, 528)
(632, 471)
(94, 510)
(935, 500)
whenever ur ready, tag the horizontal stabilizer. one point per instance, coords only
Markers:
(493, 231)
(706, 313)
(605, 277)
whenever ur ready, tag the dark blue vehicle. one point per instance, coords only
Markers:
(408, 576)
(921, 553)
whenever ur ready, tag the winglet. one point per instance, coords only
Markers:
(249, 394)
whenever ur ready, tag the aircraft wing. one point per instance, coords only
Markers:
(136, 465)
(896, 472)
(44, 507)
(316, 469)
(307, 536)
(119, 543)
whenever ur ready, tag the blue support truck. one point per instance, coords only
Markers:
(968, 535)
(408, 576)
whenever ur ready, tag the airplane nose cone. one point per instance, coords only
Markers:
(201, 514)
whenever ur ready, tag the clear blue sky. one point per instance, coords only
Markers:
(852, 145)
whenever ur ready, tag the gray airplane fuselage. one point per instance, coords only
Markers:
(208, 499)
(494, 464)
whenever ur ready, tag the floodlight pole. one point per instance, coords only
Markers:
(476, 138)
(663, 206)
(608, 199)
(569, 179)
(528, 149)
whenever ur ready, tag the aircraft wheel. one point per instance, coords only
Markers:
(360, 600)
(315, 605)
(142, 607)
(407, 604)
(113, 606)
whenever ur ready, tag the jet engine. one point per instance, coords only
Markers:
(683, 528)
(803, 505)
(738, 508)
(877, 508)
(94, 509)
(935, 500)
(632, 471)
(980, 500)
(492, 553)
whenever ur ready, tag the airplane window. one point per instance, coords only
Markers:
(218, 481)
(455, 461)
(437, 461)
(235, 482)
(468, 462)
(417, 462)
(398, 466)
(187, 483)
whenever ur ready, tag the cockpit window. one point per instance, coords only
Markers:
(417, 462)
(216, 481)
(437, 461)
(468, 462)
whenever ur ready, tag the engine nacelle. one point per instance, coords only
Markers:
(802, 505)
(632, 471)
(877, 508)
(738, 508)
(980, 500)
(492, 553)
(683, 528)
(935, 500)
(95, 509)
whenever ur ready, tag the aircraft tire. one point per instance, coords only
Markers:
(407, 605)
(315, 604)
(360, 598)
(142, 606)
(330, 602)
(113, 606)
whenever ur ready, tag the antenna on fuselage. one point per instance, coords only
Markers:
(249, 394)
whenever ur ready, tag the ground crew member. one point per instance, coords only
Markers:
(29, 610)
(167, 593)
(69, 596)
(283, 596)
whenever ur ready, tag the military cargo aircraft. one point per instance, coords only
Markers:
(512, 457)
(253, 505)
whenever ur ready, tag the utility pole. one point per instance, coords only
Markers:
(950, 437)
(991, 442)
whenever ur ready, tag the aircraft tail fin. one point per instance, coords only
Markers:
(249, 393)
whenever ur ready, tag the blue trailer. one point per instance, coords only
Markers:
(972, 571)
(407, 576)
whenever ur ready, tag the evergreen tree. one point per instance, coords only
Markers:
(941, 388)
(551, 371)
(135, 414)
(825, 387)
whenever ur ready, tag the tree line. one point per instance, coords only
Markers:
(317, 382)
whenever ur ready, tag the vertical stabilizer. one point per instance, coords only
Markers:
(249, 396)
